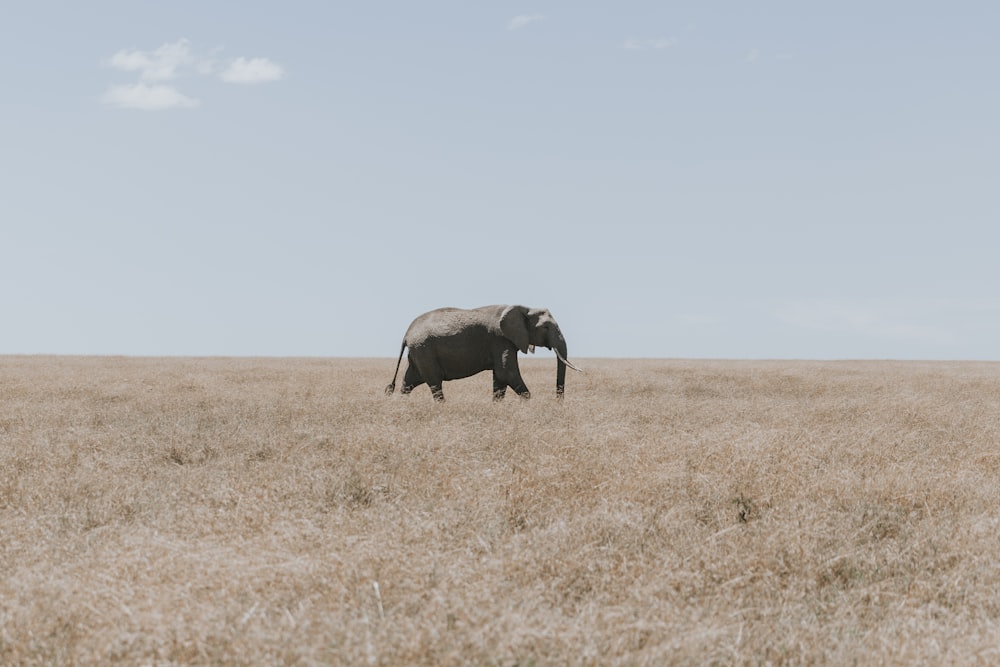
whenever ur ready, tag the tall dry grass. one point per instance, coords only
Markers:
(271, 511)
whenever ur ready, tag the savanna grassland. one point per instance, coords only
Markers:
(284, 511)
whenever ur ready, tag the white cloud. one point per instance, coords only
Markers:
(254, 70)
(173, 61)
(524, 19)
(148, 97)
(753, 56)
(159, 65)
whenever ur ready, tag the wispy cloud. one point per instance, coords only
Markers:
(696, 319)
(655, 44)
(176, 60)
(755, 55)
(903, 321)
(519, 22)
(148, 97)
(161, 64)
(253, 70)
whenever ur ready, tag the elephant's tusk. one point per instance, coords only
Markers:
(566, 362)
(531, 348)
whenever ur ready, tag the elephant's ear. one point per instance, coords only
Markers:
(515, 327)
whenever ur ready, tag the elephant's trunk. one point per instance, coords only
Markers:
(559, 345)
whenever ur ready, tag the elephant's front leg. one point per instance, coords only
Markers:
(521, 390)
(511, 374)
(499, 387)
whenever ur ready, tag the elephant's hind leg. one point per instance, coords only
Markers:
(431, 373)
(411, 379)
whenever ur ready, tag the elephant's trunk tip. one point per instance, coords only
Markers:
(390, 388)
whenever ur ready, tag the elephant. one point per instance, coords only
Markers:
(454, 343)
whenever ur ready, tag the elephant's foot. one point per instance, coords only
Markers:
(437, 394)
(498, 394)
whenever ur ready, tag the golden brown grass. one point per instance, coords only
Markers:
(271, 511)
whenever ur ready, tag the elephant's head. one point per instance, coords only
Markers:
(528, 327)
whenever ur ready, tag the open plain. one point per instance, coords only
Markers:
(284, 511)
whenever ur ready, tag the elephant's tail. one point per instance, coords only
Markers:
(392, 385)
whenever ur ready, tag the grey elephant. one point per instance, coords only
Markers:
(452, 343)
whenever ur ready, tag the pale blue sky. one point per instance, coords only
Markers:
(734, 179)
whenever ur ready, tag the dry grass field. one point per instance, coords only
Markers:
(284, 511)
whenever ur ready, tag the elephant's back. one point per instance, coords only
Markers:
(439, 323)
(449, 322)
